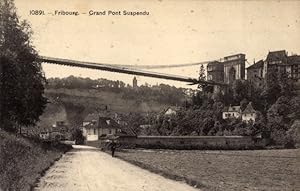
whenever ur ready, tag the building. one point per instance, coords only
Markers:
(95, 127)
(276, 61)
(45, 135)
(234, 68)
(232, 112)
(249, 114)
(255, 73)
(294, 62)
(58, 131)
(90, 118)
(215, 71)
(227, 70)
(169, 111)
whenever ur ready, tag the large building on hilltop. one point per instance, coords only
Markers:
(255, 73)
(215, 71)
(294, 61)
(229, 69)
(276, 61)
(234, 68)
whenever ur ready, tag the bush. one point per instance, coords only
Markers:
(77, 137)
(23, 160)
(293, 134)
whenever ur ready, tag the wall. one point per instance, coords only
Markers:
(92, 137)
(192, 142)
(91, 134)
(249, 116)
(107, 131)
(230, 114)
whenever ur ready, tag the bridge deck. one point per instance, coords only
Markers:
(125, 70)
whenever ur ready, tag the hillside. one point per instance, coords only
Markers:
(73, 105)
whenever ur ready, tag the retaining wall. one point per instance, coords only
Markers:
(192, 142)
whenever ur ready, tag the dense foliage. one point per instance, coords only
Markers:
(22, 160)
(160, 93)
(277, 106)
(22, 81)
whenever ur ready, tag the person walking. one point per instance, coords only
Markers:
(113, 148)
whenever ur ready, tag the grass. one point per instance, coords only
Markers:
(23, 161)
(223, 170)
(92, 99)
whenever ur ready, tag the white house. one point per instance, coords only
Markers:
(44, 135)
(232, 112)
(170, 111)
(249, 113)
(95, 126)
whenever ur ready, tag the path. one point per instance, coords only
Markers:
(87, 168)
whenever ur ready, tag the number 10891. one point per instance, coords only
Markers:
(36, 12)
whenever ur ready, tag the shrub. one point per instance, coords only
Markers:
(77, 137)
(23, 160)
(293, 134)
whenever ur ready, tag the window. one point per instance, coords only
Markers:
(109, 131)
(94, 131)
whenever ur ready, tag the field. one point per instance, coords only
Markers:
(223, 170)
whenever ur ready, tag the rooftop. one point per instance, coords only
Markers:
(294, 59)
(280, 55)
(256, 65)
(107, 122)
(232, 109)
(91, 117)
(249, 109)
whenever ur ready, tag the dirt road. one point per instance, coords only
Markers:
(86, 168)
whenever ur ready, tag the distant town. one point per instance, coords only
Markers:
(153, 110)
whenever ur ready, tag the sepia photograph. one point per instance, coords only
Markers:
(149, 95)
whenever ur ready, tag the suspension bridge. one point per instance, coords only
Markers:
(130, 69)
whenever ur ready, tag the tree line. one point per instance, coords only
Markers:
(162, 93)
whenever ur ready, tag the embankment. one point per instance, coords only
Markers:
(23, 161)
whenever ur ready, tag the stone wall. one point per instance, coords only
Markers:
(192, 142)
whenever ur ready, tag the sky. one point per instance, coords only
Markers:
(174, 32)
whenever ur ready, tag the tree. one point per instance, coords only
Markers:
(202, 77)
(22, 80)
(286, 84)
(272, 89)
